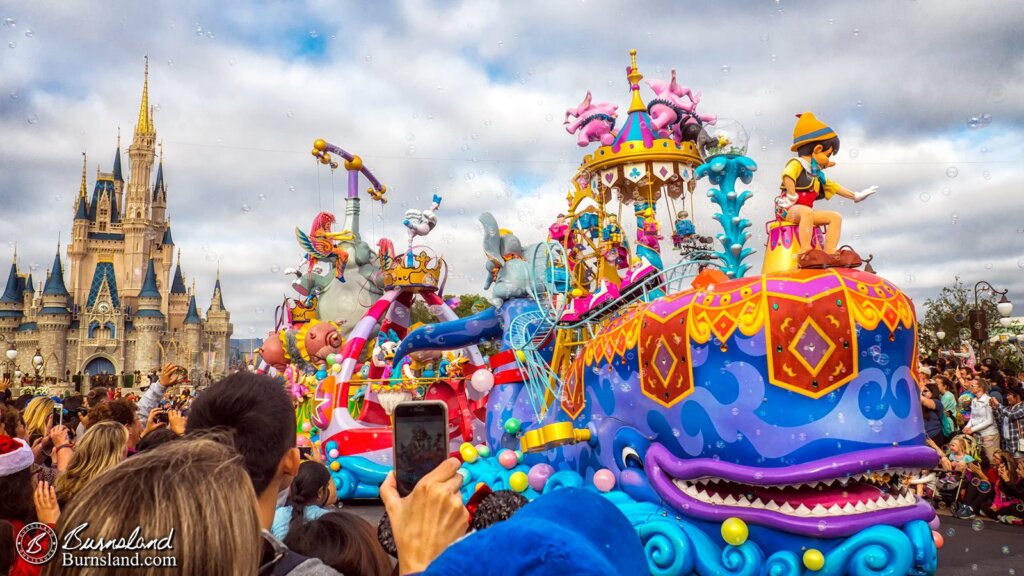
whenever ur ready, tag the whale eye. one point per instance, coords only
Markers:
(631, 459)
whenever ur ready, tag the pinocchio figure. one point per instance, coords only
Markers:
(804, 182)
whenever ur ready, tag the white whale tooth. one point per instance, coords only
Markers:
(786, 508)
(803, 510)
(757, 503)
(860, 506)
(716, 499)
(730, 500)
(843, 482)
(702, 481)
(870, 505)
(819, 510)
(771, 505)
(835, 509)
(849, 508)
(909, 499)
(702, 495)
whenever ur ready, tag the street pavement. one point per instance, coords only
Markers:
(971, 548)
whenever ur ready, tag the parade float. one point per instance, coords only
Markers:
(745, 424)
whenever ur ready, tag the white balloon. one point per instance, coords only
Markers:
(482, 381)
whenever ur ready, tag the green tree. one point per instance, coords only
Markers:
(949, 312)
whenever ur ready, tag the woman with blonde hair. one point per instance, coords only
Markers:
(191, 503)
(102, 447)
(38, 416)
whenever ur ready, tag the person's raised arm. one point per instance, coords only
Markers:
(429, 519)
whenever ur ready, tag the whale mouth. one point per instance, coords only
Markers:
(830, 497)
(821, 498)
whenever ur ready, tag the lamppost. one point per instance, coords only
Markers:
(977, 317)
(10, 365)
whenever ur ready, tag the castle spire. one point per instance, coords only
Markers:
(634, 76)
(55, 282)
(81, 189)
(117, 158)
(145, 123)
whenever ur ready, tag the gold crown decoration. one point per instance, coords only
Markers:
(425, 274)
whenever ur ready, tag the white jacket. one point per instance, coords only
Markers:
(982, 421)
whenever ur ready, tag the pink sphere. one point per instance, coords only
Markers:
(482, 380)
(507, 459)
(939, 540)
(333, 453)
(604, 480)
(539, 475)
(306, 426)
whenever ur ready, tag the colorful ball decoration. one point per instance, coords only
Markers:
(519, 456)
(332, 445)
(507, 459)
(331, 359)
(306, 426)
(335, 368)
(469, 453)
(735, 531)
(332, 454)
(604, 480)
(336, 466)
(518, 481)
(321, 374)
(814, 560)
(482, 381)
(939, 540)
(538, 476)
(513, 425)
(483, 450)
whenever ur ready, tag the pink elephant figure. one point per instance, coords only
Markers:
(668, 109)
(594, 122)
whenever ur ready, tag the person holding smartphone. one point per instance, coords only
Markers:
(170, 375)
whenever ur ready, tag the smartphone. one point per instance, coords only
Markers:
(420, 441)
(305, 452)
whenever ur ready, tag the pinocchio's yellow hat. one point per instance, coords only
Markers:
(809, 129)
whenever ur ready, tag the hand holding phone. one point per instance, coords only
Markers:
(420, 441)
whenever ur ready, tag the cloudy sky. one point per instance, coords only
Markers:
(466, 99)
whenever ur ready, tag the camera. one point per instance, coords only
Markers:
(161, 418)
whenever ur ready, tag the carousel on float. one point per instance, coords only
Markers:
(745, 424)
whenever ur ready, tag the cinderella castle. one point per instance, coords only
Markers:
(114, 312)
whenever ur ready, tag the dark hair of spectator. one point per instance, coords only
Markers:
(257, 412)
(343, 541)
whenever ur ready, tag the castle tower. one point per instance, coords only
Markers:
(192, 345)
(118, 177)
(177, 300)
(11, 306)
(148, 322)
(218, 332)
(136, 219)
(53, 321)
(79, 237)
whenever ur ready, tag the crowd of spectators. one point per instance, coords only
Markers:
(973, 417)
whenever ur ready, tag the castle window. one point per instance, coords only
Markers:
(103, 213)
(103, 226)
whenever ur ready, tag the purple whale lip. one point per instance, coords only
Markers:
(673, 477)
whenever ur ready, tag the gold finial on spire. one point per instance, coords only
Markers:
(145, 122)
(119, 137)
(634, 76)
(15, 253)
(81, 189)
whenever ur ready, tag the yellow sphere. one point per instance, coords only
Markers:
(356, 163)
(576, 293)
(518, 481)
(734, 531)
(814, 560)
(325, 159)
(521, 356)
(335, 465)
(469, 453)
(320, 144)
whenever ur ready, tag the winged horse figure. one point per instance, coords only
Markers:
(322, 244)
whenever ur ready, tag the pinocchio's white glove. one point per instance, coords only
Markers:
(859, 196)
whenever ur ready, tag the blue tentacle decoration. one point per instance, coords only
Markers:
(358, 477)
(926, 556)
(723, 171)
(563, 479)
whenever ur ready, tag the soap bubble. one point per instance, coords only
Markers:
(291, 188)
(275, 269)
(986, 175)
(246, 208)
(856, 31)
(925, 196)
(725, 68)
(977, 525)
(261, 197)
(854, 153)
(314, 34)
(32, 119)
(10, 22)
(951, 532)
(946, 191)
(952, 172)
(410, 150)
(29, 33)
(12, 44)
